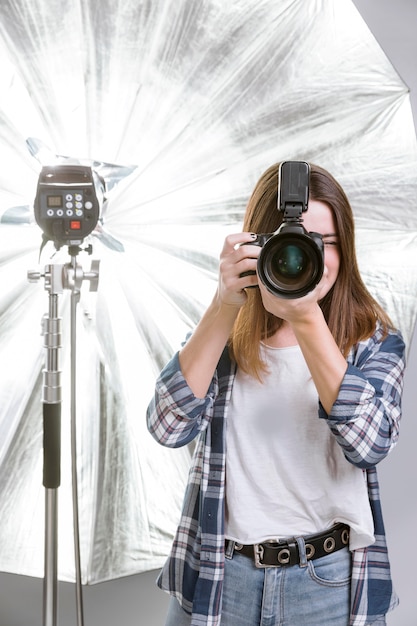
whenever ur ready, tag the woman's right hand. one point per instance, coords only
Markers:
(200, 355)
(237, 259)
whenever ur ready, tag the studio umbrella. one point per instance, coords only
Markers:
(182, 105)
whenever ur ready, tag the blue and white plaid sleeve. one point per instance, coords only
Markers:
(175, 416)
(366, 415)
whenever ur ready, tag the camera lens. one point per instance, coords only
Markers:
(291, 264)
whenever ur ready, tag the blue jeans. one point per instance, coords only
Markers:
(316, 593)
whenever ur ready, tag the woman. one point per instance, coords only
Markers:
(294, 402)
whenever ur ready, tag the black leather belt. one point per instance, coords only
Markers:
(282, 553)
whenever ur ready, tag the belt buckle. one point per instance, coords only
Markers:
(283, 555)
(258, 553)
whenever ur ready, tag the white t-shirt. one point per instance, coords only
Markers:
(285, 473)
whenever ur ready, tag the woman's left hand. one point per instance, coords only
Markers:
(295, 309)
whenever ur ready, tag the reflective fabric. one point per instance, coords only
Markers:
(195, 99)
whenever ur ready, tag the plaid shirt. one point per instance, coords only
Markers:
(364, 420)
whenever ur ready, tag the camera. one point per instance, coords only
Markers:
(68, 202)
(291, 262)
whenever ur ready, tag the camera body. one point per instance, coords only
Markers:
(291, 262)
(68, 202)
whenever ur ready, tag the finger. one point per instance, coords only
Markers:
(247, 265)
(249, 280)
(234, 240)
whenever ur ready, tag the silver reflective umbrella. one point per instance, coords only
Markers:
(195, 100)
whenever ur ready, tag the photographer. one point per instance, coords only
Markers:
(294, 402)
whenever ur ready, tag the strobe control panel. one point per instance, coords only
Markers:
(68, 202)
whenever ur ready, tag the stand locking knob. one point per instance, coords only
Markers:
(34, 276)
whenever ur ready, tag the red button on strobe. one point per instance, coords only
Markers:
(75, 225)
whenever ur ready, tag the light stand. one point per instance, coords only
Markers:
(57, 278)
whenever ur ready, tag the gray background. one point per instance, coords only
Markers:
(135, 601)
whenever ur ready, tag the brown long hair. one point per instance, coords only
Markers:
(349, 309)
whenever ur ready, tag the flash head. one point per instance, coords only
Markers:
(68, 203)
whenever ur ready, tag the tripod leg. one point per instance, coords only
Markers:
(50, 586)
(78, 584)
